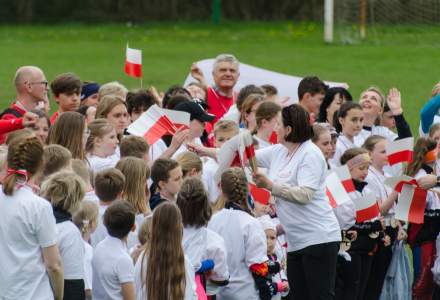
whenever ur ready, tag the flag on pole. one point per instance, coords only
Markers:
(400, 151)
(156, 122)
(133, 62)
(411, 204)
(344, 175)
(366, 207)
(335, 190)
(260, 195)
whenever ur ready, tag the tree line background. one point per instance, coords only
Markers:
(48, 11)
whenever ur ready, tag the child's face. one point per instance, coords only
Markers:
(41, 129)
(334, 106)
(261, 209)
(378, 155)
(91, 100)
(271, 237)
(222, 137)
(359, 172)
(250, 117)
(352, 123)
(118, 116)
(68, 101)
(172, 186)
(324, 143)
(387, 120)
(108, 143)
(137, 112)
(272, 124)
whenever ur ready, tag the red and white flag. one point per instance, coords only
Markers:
(335, 190)
(133, 62)
(259, 195)
(399, 151)
(344, 175)
(156, 122)
(366, 207)
(411, 204)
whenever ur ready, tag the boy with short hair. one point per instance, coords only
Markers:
(311, 92)
(113, 270)
(139, 102)
(167, 179)
(109, 185)
(66, 89)
(134, 146)
(55, 158)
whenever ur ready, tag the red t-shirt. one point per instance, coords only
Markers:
(218, 104)
(10, 116)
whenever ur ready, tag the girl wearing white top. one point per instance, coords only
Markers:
(27, 230)
(86, 219)
(244, 239)
(101, 145)
(350, 119)
(248, 109)
(267, 121)
(204, 248)
(323, 139)
(422, 237)
(162, 271)
(65, 190)
(296, 175)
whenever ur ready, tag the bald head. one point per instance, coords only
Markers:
(27, 74)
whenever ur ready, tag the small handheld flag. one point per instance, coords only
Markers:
(133, 62)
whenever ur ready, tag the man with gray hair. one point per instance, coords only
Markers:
(225, 73)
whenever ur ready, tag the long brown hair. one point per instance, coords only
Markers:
(165, 274)
(422, 146)
(23, 154)
(136, 174)
(68, 131)
(98, 128)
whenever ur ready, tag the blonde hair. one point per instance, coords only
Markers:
(3, 157)
(106, 104)
(234, 187)
(371, 142)
(136, 174)
(113, 88)
(98, 128)
(65, 190)
(144, 233)
(432, 130)
(55, 158)
(225, 126)
(377, 91)
(80, 168)
(189, 161)
(86, 215)
(19, 134)
(248, 103)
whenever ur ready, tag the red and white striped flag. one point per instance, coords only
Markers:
(156, 122)
(400, 151)
(366, 207)
(344, 175)
(133, 62)
(411, 204)
(260, 195)
(335, 190)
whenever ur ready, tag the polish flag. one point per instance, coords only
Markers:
(156, 122)
(133, 62)
(344, 175)
(397, 182)
(400, 151)
(260, 195)
(411, 204)
(366, 207)
(335, 190)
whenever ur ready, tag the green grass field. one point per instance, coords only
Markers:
(405, 57)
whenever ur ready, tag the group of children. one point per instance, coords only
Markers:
(91, 212)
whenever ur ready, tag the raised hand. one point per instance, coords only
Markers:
(29, 119)
(394, 101)
(197, 73)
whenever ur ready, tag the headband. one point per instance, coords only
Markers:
(358, 160)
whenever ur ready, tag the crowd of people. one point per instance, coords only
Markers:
(89, 211)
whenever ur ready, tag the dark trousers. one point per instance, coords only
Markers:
(74, 289)
(311, 272)
(352, 276)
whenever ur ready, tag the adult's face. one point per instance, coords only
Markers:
(226, 75)
(37, 86)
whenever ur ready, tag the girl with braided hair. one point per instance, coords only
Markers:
(245, 241)
(27, 229)
(205, 249)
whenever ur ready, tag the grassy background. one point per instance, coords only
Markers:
(405, 57)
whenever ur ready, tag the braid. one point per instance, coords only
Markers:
(235, 187)
(23, 154)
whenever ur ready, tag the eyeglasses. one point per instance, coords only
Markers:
(40, 82)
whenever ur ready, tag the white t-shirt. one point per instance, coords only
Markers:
(246, 245)
(98, 164)
(312, 223)
(88, 271)
(342, 145)
(141, 289)
(202, 243)
(71, 247)
(100, 232)
(376, 183)
(159, 147)
(112, 266)
(209, 169)
(91, 196)
(376, 130)
(261, 143)
(27, 225)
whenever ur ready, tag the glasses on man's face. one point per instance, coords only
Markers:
(45, 83)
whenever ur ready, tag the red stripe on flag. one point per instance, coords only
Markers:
(236, 162)
(331, 199)
(417, 207)
(155, 132)
(401, 156)
(132, 69)
(259, 194)
(399, 186)
(348, 185)
(249, 151)
(367, 213)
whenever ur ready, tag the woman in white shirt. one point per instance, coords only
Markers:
(30, 258)
(162, 271)
(296, 175)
